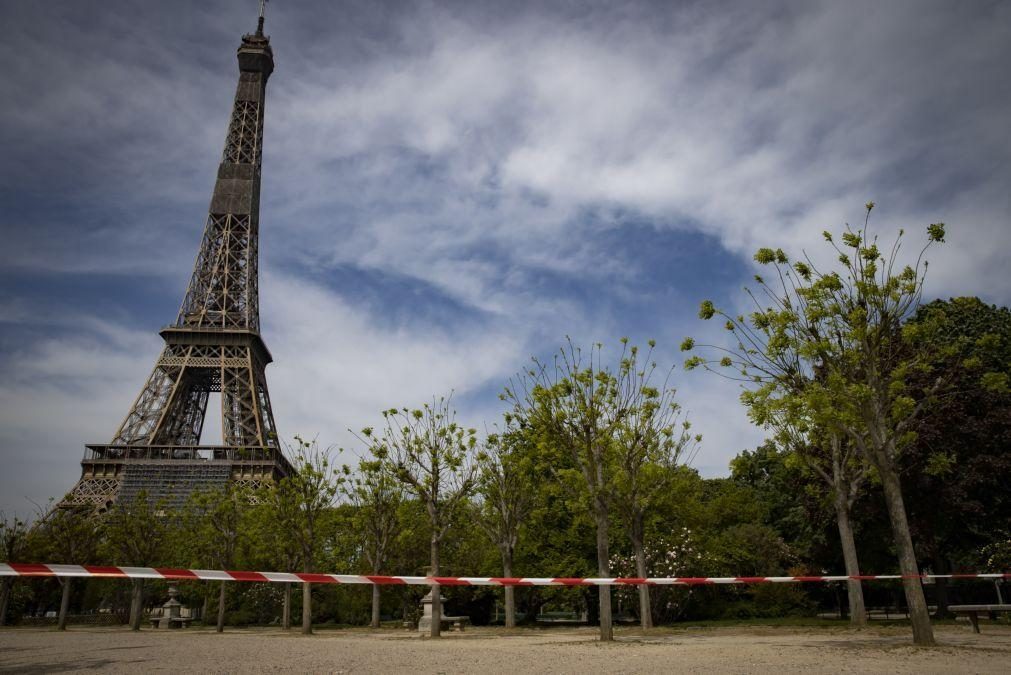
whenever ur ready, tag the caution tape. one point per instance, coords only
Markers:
(48, 570)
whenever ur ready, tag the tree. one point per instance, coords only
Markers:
(213, 524)
(652, 439)
(271, 543)
(70, 536)
(301, 501)
(955, 470)
(432, 456)
(837, 338)
(377, 496)
(827, 454)
(507, 492)
(13, 544)
(135, 533)
(578, 404)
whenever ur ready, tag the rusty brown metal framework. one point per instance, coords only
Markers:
(213, 346)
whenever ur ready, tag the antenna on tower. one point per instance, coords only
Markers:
(259, 23)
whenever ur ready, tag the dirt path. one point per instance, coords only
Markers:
(733, 650)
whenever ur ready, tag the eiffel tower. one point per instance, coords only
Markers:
(213, 346)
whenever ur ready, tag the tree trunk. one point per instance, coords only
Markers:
(375, 604)
(941, 566)
(5, 595)
(61, 622)
(532, 607)
(855, 591)
(603, 569)
(919, 617)
(636, 537)
(510, 591)
(436, 591)
(136, 604)
(286, 607)
(306, 608)
(221, 608)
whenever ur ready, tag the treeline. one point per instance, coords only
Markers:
(889, 427)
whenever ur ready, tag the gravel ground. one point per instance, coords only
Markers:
(731, 650)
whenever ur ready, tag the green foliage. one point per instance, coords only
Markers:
(507, 487)
(137, 532)
(826, 351)
(376, 497)
(435, 459)
(956, 460)
(302, 501)
(70, 536)
(14, 541)
(213, 525)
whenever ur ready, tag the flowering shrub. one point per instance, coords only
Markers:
(674, 554)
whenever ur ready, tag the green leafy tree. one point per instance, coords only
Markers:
(376, 495)
(271, 543)
(837, 339)
(135, 535)
(559, 537)
(507, 490)
(956, 468)
(68, 536)
(213, 522)
(652, 439)
(674, 546)
(301, 502)
(13, 545)
(433, 457)
(578, 404)
(799, 424)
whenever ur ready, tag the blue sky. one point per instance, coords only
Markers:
(450, 188)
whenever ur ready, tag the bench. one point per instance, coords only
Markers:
(455, 622)
(172, 622)
(973, 612)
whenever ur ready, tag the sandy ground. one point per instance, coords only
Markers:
(728, 650)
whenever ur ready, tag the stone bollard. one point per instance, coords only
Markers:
(172, 609)
(425, 622)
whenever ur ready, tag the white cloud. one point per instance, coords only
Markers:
(337, 369)
(482, 156)
(757, 131)
(57, 395)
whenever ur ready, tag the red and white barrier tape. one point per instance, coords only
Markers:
(40, 570)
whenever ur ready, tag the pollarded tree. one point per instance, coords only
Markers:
(508, 492)
(652, 440)
(578, 404)
(847, 327)
(433, 456)
(377, 495)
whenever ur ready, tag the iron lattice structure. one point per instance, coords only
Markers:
(213, 346)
